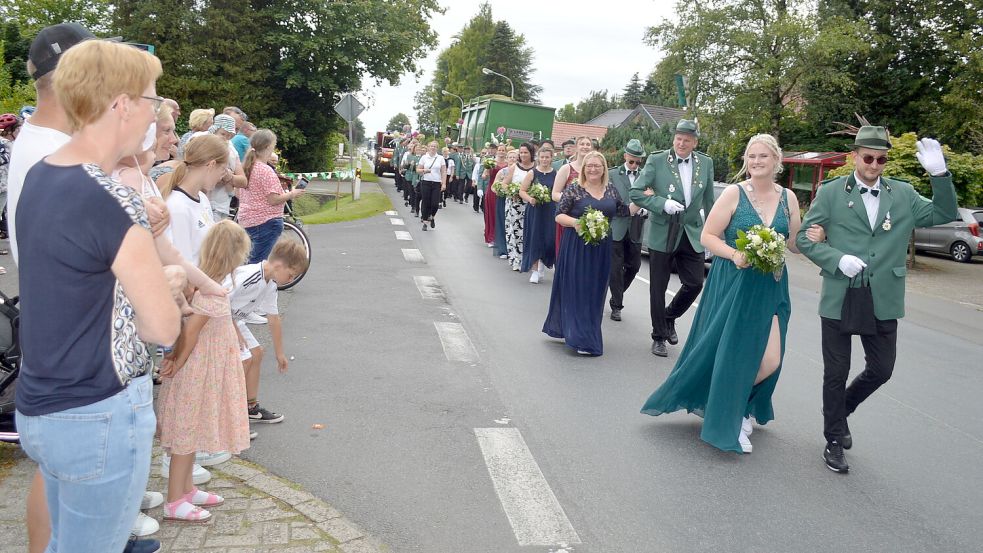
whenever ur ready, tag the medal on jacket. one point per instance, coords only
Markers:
(887, 222)
(672, 188)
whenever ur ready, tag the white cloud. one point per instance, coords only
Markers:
(579, 47)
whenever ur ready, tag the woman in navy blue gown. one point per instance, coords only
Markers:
(539, 249)
(582, 270)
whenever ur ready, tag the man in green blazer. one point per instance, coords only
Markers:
(867, 220)
(676, 188)
(626, 232)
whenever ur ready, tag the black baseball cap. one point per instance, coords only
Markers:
(569, 142)
(51, 43)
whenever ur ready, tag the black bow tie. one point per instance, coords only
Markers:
(680, 160)
(633, 172)
(873, 191)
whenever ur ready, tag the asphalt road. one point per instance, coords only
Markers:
(399, 454)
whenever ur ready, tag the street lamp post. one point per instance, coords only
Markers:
(459, 119)
(487, 71)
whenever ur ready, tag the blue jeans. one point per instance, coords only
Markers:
(95, 461)
(264, 236)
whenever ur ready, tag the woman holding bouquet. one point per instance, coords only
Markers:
(490, 198)
(539, 250)
(568, 173)
(730, 364)
(515, 207)
(503, 176)
(584, 264)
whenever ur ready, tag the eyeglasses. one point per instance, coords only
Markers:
(633, 162)
(157, 101)
(594, 166)
(869, 159)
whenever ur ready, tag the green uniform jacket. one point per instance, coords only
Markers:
(482, 183)
(411, 175)
(620, 182)
(397, 158)
(839, 209)
(661, 174)
(464, 167)
(456, 157)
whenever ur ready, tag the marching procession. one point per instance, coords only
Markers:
(571, 213)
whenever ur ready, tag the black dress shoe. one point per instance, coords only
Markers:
(432, 223)
(847, 439)
(424, 227)
(673, 337)
(659, 348)
(833, 455)
(615, 314)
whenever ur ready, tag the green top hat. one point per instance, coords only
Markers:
(687, 126)
(634, 148)
(872, 137)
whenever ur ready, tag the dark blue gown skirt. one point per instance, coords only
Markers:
(579, 287)
(539, 236)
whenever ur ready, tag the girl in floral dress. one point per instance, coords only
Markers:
(202, 402)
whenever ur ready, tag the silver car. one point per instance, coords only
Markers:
(960, 238)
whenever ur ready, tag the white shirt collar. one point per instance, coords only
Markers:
(876, 186)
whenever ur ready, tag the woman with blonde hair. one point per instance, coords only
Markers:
(199, 121)
(503, 176)
(730, 364)
(261, 202)
(85, 404)
(582, 270)
(568, 174)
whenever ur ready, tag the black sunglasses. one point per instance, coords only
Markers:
(633, 162)
(869, 159)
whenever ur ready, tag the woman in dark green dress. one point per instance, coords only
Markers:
(730, 364)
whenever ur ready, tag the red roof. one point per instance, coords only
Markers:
(564, 131)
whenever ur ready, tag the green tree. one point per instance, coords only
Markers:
(13, 94)
(33, 15)
(633, 93)
(483, 42)
(397, 122)
(567, 114)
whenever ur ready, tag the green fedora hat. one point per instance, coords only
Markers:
(634, 148)
(688, 126)
(875, 138)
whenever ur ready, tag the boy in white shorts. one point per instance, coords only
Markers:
(254, 291)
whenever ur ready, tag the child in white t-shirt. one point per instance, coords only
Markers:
(254, 292)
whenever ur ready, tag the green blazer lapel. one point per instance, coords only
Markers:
(675, 190)
(887, 200)
(854, 201)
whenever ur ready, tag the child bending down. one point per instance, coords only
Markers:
(254, 292)
(202, 402)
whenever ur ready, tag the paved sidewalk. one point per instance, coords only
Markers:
(261, 514)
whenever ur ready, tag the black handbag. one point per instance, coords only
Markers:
(857, 315)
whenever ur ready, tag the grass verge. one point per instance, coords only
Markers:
(371, 203)
(367, 172)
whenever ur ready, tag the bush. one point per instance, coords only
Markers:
(305, 204)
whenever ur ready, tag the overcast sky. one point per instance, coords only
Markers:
(568, 42)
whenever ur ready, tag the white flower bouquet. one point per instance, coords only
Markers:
(540, 193)
(512, 190)
(594, 226)
(764, 248)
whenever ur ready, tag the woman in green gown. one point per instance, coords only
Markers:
(730, 364)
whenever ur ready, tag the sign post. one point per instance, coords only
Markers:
(348, 108)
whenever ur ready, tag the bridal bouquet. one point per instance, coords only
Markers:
(540, 193)
(488, 163)
(500, 188)
(594, 226)
(512, 190)
(764, 249)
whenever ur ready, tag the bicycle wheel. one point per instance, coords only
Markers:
(294, 231)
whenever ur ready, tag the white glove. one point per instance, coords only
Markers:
(481, 193)
(673, 207)
(642, 212)
(851, 265)
(930, 156)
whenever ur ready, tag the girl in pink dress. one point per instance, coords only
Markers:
(202, 402)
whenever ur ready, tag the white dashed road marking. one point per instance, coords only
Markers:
(429, 287)
(456, 342)
(413, 256)
(392, 212)
(396, 222)
(402, 235)
(669, 293)
(530, 505)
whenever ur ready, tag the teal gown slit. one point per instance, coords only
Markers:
(714, 375)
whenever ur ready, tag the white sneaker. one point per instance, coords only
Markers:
(253, 435)
(745, 442)
(144, 526)
(503, 256)
(746, 426)
(489, 245)
(255, 319)
(151, 500)
(211, 459)
(199, 475)
(534, 277)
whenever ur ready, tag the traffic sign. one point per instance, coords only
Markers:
(349, 107)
